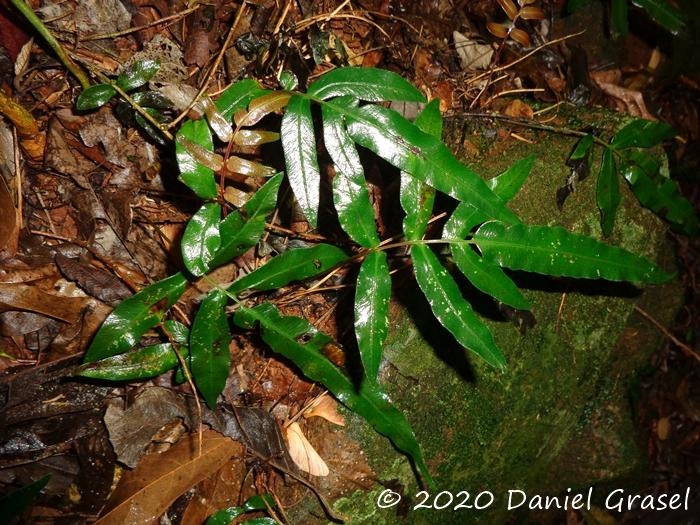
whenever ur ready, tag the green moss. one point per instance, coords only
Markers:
(558, 417)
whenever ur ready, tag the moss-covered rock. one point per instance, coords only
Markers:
(558, 419)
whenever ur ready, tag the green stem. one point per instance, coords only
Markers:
(36, 22)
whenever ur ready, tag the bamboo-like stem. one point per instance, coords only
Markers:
(54, 44)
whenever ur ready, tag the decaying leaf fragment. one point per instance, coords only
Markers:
(472, 54)
(326, 407)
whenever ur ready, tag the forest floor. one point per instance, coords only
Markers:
(90, 213)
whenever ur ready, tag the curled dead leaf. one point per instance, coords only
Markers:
(303, 453)
(627, 100)
(326, 407)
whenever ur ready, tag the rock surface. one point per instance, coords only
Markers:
(558, 421)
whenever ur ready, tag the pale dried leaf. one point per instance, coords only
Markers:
(182, 95)
(472, 55)
(22, 61)
(303, 453)
(326, 407)
(169, 56)
(7, 151)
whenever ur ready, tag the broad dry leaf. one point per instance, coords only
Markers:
(146, 492)
(303, 453)
(14, 296)
(94, 281)
(132, 430)
(226, 488)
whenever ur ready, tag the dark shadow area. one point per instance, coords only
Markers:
(446, 348)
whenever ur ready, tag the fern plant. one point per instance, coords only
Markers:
(482, 236)
(626, 155)
(660, 11)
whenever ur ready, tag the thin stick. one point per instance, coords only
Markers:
(102, 78)
(680, 344)
(37, 24)
(164, 20)
(213, 68)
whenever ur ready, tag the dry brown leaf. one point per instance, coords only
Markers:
(627, 100)
(9, 221)
(217, 492)
(132, 430)
(303, 453)
(326, 407)
(518, 108)
(32, 299)
(94, 281)
(146, 492)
